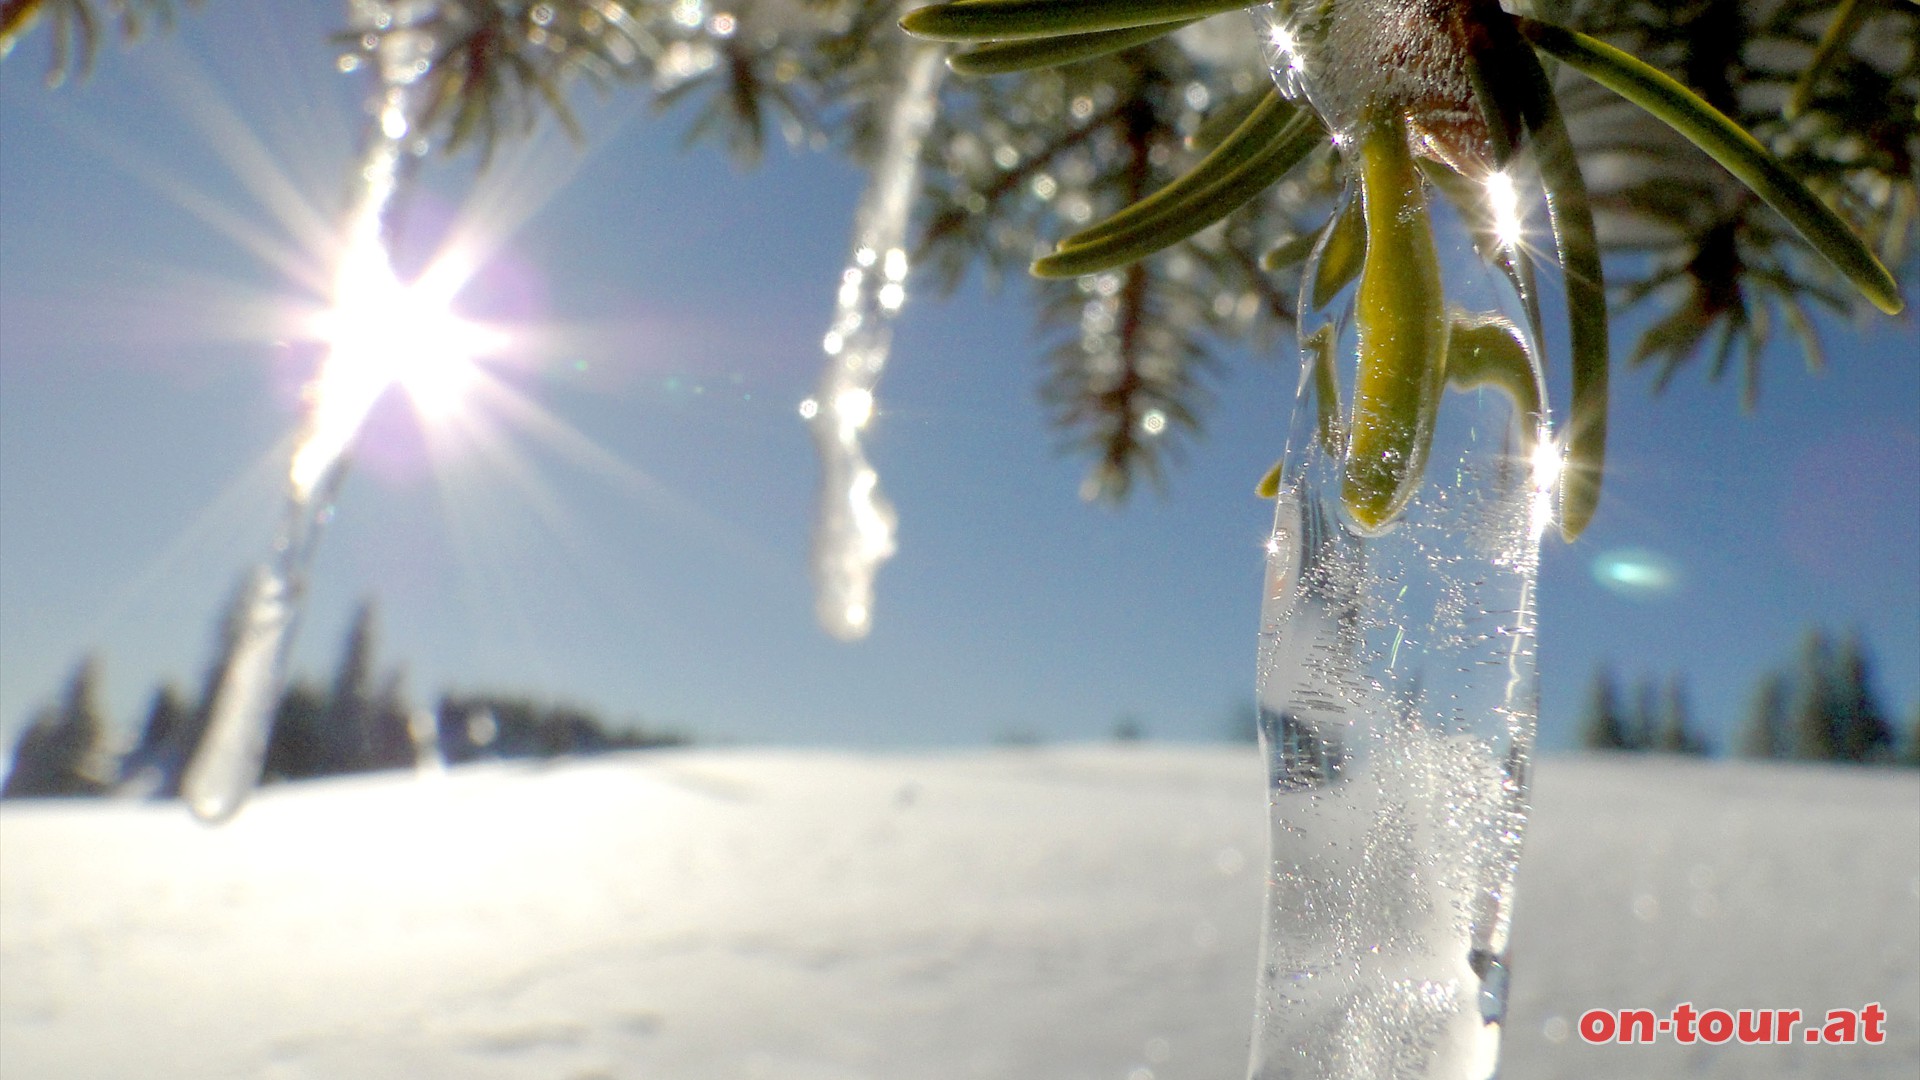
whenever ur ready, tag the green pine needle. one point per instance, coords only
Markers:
(1292, 250)
(1846, 23)
(1032, 54)
(1486, 350)
(1010, 20)
(1255, 133)
(1574, 241)
(1342, 256)
(1268, 486)
(1237, 171)
(1723, 140)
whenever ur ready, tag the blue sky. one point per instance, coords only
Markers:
(653, 563)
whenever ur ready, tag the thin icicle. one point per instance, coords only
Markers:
(226, 764)
(854, 531)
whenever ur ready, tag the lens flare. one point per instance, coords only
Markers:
(382, 332)
(1636, 573)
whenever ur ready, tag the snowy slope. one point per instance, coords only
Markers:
(1069, 913)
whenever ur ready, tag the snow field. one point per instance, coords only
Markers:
(1080, 912)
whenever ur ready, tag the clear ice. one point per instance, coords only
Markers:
(1397, 707)
(226, 765)
(854, 525)
(1396, 682)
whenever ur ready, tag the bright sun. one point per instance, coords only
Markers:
(382, 332)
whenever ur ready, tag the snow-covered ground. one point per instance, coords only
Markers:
(1022, 914)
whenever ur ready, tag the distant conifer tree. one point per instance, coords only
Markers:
(161, 769)
(390, 740)
(299, 747)
(1837, 716)
(1767, 734)
(1861, 730)
(1675, 734)
(348, 727)
(63, 752)
(1818, 702)
(480, 726)
(1644, 721)
(1607, 726)
(169, 715)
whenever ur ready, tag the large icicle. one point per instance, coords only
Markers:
(853, 533)
(1397, 687)
(358, 369)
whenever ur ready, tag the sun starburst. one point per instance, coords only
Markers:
(382, 332)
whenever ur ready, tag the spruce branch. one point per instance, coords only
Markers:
(74, 26)
(1814, 105)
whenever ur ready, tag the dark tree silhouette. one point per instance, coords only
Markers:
(1675, 734)
(390, 736)
(347, 733)
(1818, 700)
(1826, 710)
(356, 724)
(1606, 726)
(1767, 733)
(169, 714)
(298, 746)
(63, 751)
(1644, 721)
(1860, 727)
(474, 727)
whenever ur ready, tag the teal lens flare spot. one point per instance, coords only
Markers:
(1636, 573)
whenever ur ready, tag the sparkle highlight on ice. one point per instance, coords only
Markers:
(1503, 199)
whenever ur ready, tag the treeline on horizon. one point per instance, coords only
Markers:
(359, 722)
(1821, 707)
